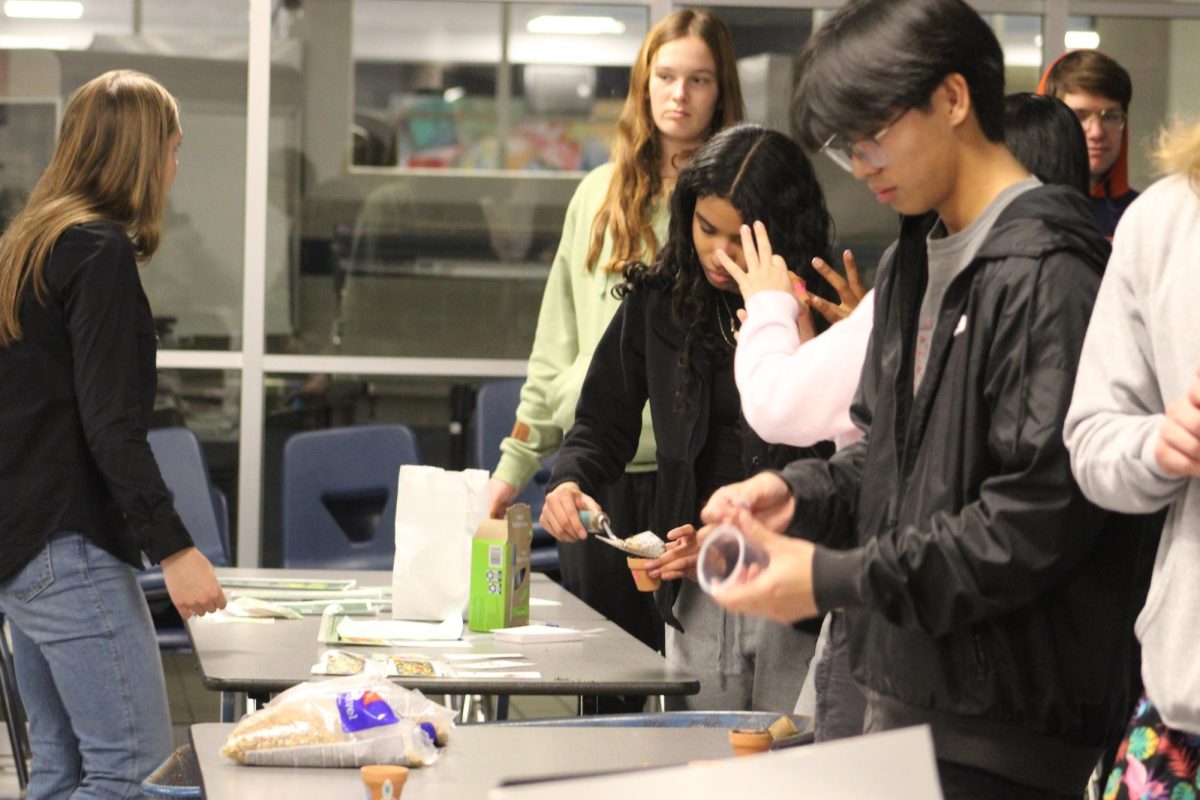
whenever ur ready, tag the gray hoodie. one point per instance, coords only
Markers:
(1141, 353)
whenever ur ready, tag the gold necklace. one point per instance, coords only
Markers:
(731, 337)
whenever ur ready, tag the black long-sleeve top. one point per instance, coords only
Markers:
(76, 393)
(638, 359)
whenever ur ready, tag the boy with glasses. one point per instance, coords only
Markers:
(983, 595)
(1099, 91)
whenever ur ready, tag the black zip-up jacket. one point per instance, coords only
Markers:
(983, 594)
(637, 359)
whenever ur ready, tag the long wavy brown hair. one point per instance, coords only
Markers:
(636, 181)
(109, 164)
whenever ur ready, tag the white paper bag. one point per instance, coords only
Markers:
(437, 512)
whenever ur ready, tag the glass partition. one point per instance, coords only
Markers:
(429, 231)
(1021, 39)
(489, 86)
(194, 281)
(198, 51)
(421, 156)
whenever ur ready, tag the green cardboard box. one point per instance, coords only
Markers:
(500, 571)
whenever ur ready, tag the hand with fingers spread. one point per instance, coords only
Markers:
(1177, 449)
(680, 559)
(764, 270)
(783, 590)
(766, 495)
(850, 289)
(560, 514)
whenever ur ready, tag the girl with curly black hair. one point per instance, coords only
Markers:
(672, 343)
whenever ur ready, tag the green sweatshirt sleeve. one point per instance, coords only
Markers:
(555, 349)
(577, 306)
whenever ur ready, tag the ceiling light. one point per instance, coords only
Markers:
(42, 9)
(570, 25)
(454, 94)
(34, 43)
(1081, 40)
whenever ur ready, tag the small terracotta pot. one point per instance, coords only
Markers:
(748, 742)
(644, 582)
(384, 781)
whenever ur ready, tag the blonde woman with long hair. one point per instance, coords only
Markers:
(1134, 435)
(683, 87)
(83, 497)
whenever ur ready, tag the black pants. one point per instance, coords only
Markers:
(598, 575)
(960, 782)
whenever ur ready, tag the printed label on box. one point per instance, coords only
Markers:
(500, 571)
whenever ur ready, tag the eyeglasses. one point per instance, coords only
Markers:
(1111, 118)
(869, 150)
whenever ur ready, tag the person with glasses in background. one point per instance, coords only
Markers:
(1099, 91)
(982, 594)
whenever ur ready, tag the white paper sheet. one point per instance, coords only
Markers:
(482, 656)
(449, 629)
(537, 634)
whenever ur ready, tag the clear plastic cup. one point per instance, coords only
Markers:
(726, 558)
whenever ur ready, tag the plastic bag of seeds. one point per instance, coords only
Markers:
(342, 722)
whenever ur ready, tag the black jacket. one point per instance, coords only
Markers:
(638, 359)
(983, 593)
(76, 393)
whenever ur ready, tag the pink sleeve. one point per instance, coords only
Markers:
(798, 394)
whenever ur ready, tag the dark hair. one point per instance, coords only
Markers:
(1046, 137)
(876, 58)
(766, 177)
(1091, 72)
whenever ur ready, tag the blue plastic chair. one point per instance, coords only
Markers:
(339, 496)
(200, 505)
(495, 411)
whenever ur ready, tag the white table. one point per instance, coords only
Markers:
(265, 658)
(477, 759)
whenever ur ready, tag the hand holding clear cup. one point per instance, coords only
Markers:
(727, 558)
(850, 289)
(750, 569)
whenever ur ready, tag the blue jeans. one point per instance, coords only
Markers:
(89, 672)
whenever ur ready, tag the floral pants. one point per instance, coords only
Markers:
(1154, 762)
